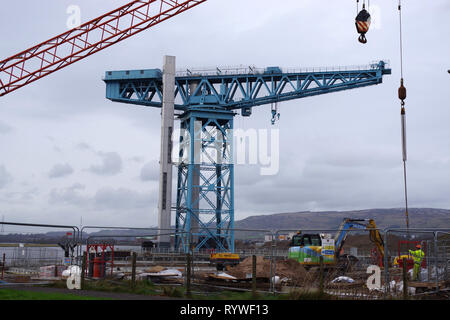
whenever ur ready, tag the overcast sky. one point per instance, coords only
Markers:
(67, 152)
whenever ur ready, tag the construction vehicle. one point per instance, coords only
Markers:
(223, 259)
(307, 249)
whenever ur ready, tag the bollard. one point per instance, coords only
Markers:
(405, 280)
(133, 270)
(321, 277)
(188, 275)
(83, 269)
(254, 276)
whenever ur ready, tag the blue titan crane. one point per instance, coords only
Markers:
(207, 102)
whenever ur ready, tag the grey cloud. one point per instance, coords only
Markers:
(137, 159)
(5, 177)
(19, 197)
(84, 146)
(150, 171)
(69, 196)
(60, 170)
(111, 164)
(104, 199)
(4, 128)
(122, 198)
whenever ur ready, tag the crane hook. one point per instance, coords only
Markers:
(362, 23)
(275, 113)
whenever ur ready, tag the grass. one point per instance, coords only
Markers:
(148, 288)
(11, 294)
(141, 287)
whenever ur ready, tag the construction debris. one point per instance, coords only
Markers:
(343, 279)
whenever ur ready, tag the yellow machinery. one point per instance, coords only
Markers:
(223, 259)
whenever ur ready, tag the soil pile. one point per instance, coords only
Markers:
(290, 269)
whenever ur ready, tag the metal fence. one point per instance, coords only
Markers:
(274, 270)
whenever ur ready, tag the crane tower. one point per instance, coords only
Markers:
(207, 102)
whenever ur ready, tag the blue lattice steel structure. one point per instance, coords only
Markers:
(207, 101)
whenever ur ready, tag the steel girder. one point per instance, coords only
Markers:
(205, 189)
(237, 91)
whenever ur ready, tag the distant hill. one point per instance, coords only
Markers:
(392, 218)
(324, 220)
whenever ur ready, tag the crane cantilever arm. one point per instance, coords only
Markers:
(91, 37)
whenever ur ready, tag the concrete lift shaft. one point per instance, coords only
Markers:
(165, 178)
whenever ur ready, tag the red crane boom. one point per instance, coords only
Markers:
(91, 37)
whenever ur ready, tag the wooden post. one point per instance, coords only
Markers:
(133, 269)
(253, 275)
(83, 269)
(188, 275)
(3, 265)
(405, 280)
(321, 276)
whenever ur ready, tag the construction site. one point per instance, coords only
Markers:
(204, 228)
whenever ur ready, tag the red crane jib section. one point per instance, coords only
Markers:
(91, 37)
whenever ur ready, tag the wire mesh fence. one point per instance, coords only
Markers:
(341, 264)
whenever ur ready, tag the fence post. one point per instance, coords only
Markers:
(83, 269)
(405, 280)
(436, 271)
(273, 269)
(3, 265)
(321, 276)
(386, 264)
(188, 274)
(271, 282)
(428, 261)
(254, 276)
(133, 270)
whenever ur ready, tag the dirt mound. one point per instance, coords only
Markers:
(244, 269)
(284, 269)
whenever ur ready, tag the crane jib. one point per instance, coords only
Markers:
(78, 43)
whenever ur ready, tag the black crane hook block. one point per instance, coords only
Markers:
(362, 24)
